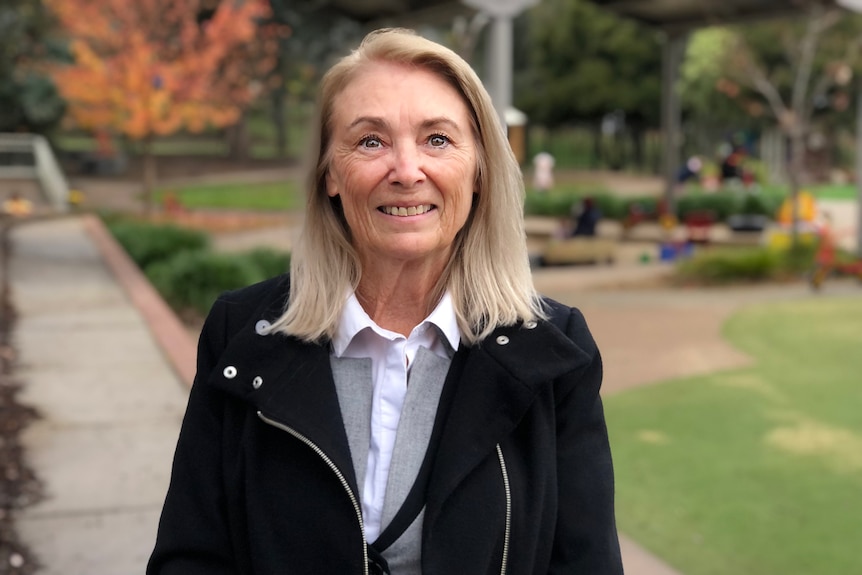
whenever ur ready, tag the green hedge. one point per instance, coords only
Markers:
(149, 243)
(180, 265)
(194, 279)
(744, 264)
(722, 203)
(560, 205)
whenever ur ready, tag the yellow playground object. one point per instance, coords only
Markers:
(806, 209)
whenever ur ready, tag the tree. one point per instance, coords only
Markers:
(703, 86)
(28, 99)
(318, 30)
(586, 63)
(792, 70)
(146, 68)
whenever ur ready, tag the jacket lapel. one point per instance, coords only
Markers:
(289, 382)
(500, 379)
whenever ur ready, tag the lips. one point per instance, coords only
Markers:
(402, 211)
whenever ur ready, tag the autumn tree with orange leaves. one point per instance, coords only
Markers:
(146, 68)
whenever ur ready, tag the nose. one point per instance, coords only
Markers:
(407, 167)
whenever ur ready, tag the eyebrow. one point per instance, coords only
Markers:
(380, 123)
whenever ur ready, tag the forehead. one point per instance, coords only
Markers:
(386, 87)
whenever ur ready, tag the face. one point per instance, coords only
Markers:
(403, 162)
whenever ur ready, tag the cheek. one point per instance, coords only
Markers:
(353, 179)
(465, 188)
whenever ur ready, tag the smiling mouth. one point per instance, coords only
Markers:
(401, 211)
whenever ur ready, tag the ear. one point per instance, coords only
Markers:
(331, 187)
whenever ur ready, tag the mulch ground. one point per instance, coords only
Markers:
(19, 486)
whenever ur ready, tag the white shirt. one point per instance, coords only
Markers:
(391, 355)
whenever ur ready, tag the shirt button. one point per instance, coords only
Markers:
(261, 327)
(502, 340)
(530, 324)
(257, 382)
(229, 372)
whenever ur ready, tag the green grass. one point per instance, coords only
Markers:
(820, 191)
(835, 191)
(752, 471)
(261, 196)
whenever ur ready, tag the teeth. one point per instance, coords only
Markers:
(411, 211)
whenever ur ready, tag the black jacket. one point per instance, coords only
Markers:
(263, 482)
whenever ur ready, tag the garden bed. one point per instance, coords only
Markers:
(19, 486)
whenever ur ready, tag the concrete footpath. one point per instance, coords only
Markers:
(110, 406)
(107, 367)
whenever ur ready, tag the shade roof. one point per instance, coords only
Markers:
(666, 14)
(690, 14)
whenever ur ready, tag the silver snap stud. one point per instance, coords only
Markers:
(531, 324)
(261, 327)
(229, 372)
(502, 340)
(257, 382)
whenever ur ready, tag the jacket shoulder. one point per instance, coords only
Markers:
(257, 297)
(571, 322)
(233, 309)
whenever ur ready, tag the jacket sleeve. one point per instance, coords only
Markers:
(586, 540)
(193, 536)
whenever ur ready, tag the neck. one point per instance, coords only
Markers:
(398, 302)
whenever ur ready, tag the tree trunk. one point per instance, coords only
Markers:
(238, 139)
(596, 160)
(620, 153)
(795, 173)
(637, 138)
(149, 175)
(278, 96)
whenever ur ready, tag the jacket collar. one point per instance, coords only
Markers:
(291, 382)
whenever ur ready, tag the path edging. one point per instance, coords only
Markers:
(170, 333)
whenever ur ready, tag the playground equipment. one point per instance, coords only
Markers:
(828, 261)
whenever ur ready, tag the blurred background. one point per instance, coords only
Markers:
(692, 172)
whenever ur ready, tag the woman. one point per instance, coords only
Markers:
(403, 402)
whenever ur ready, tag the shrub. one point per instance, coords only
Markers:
(729, 265)
(194, 279)
(550, 204)
(641, 204)
(149, 243)
(268, 262)
(612, 207)
(721, 204)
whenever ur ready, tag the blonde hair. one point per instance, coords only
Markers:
(488, 273)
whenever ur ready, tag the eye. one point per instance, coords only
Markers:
(438, 140)
(370, 142)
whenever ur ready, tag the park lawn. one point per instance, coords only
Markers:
(753, 471)
(241, 196)
(835, 191)
(819, 191)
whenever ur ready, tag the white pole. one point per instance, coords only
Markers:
(672, 53)
(501, 47)
(500, 72)
(859, 170)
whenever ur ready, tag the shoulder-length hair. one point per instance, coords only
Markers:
(488, 274)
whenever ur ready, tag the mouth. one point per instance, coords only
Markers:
(404, 211)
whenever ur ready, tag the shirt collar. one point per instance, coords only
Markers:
(354, 320)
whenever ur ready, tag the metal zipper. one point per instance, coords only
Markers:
(508, 509)
(338, 474)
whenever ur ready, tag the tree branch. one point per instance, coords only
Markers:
(819, 21)
(757, 79)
